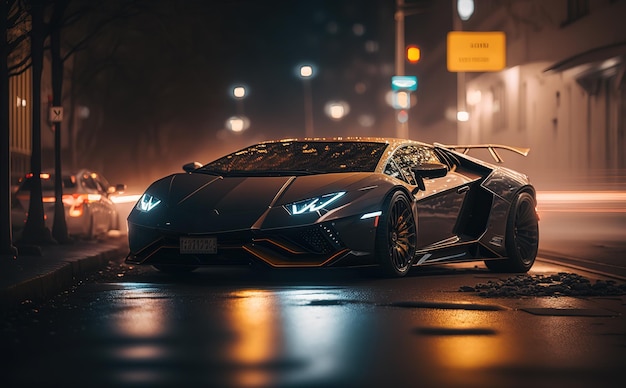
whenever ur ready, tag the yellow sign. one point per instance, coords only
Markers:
(476, 51)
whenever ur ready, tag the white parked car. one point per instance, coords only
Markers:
(89, 209)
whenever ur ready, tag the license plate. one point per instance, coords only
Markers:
(204, 245)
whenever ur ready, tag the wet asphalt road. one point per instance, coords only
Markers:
(231, 327)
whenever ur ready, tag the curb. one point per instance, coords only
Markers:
(558, 258)
(56, 280)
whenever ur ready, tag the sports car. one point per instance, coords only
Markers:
(337, 202)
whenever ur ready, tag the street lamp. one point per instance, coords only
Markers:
(336, 110)
(306, 73)
(239, 92)
(402, 10)
(465, 9)
(237, 123)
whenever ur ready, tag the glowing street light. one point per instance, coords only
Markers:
(306, 73)
(462, 116)
(237, 123)
(402, 99)
(336, 110)
(239, 92)
(465, 9)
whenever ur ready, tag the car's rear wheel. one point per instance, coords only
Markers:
(396, 237)
(522, 237)
(172, 268)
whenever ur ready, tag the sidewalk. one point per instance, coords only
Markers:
(37, 277)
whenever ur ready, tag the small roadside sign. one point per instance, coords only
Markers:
(476, 51)
(404, 82)
(55, 114)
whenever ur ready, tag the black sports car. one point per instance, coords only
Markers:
(339, 202)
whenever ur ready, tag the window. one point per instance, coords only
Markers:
(287, 157)
(404, 159)
(89, 183)
(47, 184)
(392, 169)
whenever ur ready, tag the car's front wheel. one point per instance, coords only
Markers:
(396, 237)
(522, 237)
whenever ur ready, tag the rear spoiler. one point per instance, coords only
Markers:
(491, 147)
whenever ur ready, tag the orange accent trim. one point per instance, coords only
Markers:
(274, 262)
(281, 246)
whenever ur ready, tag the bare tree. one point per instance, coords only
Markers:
(157, 80)
(35, 230)
(147, 99)
(59, 227)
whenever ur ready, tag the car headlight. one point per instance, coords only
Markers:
(147, 202)
(312, 205)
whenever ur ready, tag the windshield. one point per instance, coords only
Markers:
(300, 157)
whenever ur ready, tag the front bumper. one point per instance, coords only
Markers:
(317, 245)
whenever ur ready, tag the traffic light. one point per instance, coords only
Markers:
(402, 116)
(413, 54)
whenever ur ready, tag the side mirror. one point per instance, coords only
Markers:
(189, 167)
(428, 171)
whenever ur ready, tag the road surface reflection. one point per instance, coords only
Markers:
(294, 335)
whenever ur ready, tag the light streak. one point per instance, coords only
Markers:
(582, 201)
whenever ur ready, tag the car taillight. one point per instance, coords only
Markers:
(76, 202)
(72, 199)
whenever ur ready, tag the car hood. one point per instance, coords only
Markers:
(200, 203)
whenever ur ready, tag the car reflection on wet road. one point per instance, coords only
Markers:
(233, 327)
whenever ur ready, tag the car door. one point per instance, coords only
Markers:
(106, 206)
(438, 206)
(93, 203)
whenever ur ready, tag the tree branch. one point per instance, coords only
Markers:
(23, 65)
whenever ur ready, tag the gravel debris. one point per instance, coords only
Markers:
(560, 284)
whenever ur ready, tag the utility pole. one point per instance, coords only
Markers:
(402, 127)
(402, 11)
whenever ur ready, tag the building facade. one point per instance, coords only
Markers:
(562, 94)
(20, 123)
(21, 118)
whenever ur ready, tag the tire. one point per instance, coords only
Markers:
(91, 232)
(522, 237)
(114, 222)
(172, 268)
(396, 237)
